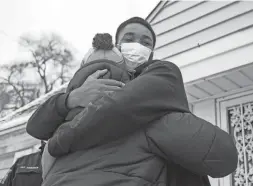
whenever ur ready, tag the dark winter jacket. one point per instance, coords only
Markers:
(139, 137)
(26, 171)
(62, 138)
(115, 71)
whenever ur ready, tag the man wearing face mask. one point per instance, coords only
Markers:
(141, 135)
(135, 54)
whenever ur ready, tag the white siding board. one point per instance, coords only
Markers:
(172, 9)
(236, 16)
(188, 16)
(169, 3)
(213, 48)
(217, 64)
(206, 36)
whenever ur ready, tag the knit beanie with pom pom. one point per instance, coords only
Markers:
(103, 48)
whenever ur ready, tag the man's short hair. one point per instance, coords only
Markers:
(138, 20)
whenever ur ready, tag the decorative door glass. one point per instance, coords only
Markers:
(240, 120)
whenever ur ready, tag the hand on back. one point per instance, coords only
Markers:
(91, 89)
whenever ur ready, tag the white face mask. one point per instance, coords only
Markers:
(135, 54)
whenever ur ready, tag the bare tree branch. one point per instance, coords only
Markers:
(50, 63)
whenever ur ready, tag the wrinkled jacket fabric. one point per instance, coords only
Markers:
(115, 71)
(145, 157)
(142, 137)
(63, 136)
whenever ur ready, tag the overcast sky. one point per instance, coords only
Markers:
(77, 21)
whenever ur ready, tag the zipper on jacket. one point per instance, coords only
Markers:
(131, 74)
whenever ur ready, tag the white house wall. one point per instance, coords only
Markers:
(198, 34)
(218, 63)
(229, 30)
(185, 19)
(6, 162)
(16, 141)
(205, 110)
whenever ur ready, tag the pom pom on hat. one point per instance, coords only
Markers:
(103, 48)
(103, 41)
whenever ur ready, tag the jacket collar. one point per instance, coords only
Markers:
(140, 68)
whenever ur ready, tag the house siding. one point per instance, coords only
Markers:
(191, 32)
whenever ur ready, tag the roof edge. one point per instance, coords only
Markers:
(35, 102)
(152, 14)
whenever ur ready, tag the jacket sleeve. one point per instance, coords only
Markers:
(46, 119)
(156, 92)
(193, 143)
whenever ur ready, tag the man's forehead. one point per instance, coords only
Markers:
(136, 29)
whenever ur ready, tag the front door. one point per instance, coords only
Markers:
(236, 117)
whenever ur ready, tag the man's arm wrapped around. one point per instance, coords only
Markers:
(194, 144)
(155, 101)
(157, 91)
(57, 109)
(48, 117)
